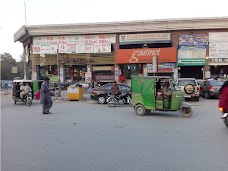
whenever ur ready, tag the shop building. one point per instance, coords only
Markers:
(218, 54)
(95, 51)
(136, 52)
(192, 55)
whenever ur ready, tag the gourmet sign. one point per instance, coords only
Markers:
(145, 55)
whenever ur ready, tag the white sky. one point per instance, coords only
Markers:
(12, 13)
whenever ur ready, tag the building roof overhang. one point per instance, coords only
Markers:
(123, 27)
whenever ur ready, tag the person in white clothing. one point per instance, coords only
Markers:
(25, 88)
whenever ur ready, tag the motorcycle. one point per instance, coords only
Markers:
(224, 117)
(114, 100)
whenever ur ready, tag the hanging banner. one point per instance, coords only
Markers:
(70, 48)
(44, 49)
(218, 50)
(53, 49)
(97, 48)
(36, 49)
(106, 47)
(193, 40)
(218, 37)
(80, 48)
(88, 48)
(67, 44)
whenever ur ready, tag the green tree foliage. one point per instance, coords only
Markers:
(7, 62)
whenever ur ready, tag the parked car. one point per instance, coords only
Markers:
(211, 89)
(100, 94)
(189, 87)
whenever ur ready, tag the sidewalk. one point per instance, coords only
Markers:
(63, 95)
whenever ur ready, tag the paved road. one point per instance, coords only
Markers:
(88, 136)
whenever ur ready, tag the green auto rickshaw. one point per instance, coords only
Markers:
(147, 95)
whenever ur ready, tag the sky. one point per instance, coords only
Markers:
(12, 14)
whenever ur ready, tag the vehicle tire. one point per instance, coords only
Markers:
(206, 95)
(189, 89)
(112, 102)
(226, 121)
(140, 110)
(101, 99)
(15, 101)
(186, 112)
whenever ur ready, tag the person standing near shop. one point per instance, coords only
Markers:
(46, 96)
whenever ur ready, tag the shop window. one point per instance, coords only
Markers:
(131, 69)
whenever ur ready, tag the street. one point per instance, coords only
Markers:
(83, 135)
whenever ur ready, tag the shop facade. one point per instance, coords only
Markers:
(192, 50)
(94, 51)
(136, 52)
(140, 61)
(77, 57)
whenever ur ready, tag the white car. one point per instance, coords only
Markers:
(189, 87)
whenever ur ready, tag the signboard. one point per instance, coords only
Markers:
(14, 70)
(218, 49)
(191, 52)
(162, 67)
(144, 38)
(193, 40)
(127, 56)
(103, 68)
(218, 37)
(191, 62)
(218, 61)
(73, 44)
(53, 78)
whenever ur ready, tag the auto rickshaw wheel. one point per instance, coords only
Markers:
(186, 112)
(140, 110)
(15, 101)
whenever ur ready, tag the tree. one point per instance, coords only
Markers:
(7, 62)
(20, 66)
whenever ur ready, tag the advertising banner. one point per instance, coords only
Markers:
(80, 48)
(74, 44)
(97, 48)
(218, 37)
(53, 49)
(193, 40)
(144, 38)
(127, 56)
(191, 52)
(186, 39)
(218, 50)
(162, 67)
(88, 48)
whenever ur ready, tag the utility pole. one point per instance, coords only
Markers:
(59, 88)
(25, 14)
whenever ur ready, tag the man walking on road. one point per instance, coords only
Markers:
(46, 96)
